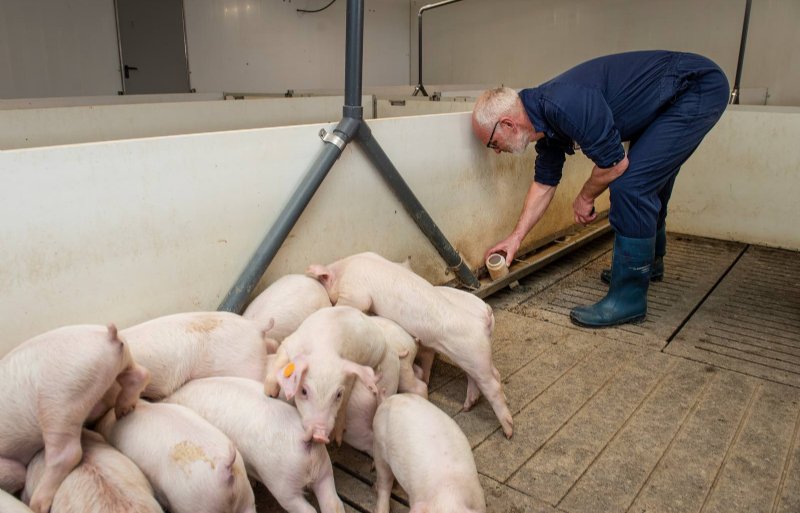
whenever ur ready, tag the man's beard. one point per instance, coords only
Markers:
(519, 144)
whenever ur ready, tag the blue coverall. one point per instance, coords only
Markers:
(663, 102)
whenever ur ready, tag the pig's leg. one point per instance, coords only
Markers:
(295, 503)
(325, 490)
(133, 380)
(490, 385)
(409, 381)
(62, 453)
(105, 404)
(473, 394)
(425, 356)
(383, 483)
(12, 475)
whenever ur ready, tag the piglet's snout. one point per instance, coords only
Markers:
(320, 435)
(317, 434)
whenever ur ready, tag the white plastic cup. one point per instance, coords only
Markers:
(496, 265)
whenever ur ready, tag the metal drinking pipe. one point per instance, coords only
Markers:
(239, 294)
(737, 82)
(354, 53)
(335, 142)
(414, 207)
(421, 88)
(352, 125)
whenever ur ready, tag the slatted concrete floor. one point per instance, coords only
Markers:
(695, 410)
(751, 322)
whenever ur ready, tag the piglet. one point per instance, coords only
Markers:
(55, 382)
(9, 504)
(106, 481)
(406, 348)
(478, 308)
(270, 437)
(369, 282)
(361, 406)
(180, 347)
(287, 302)
(425, 449)
(317, 363)
(191, 464)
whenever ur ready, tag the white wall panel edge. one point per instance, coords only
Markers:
(124, 231)
(127, 230)
(27, 128)
(742, 183)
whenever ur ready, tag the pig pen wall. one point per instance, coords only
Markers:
(124, 231)
(416, 106)
(380, 92)
(117, 99)
(743, 183)
(47, 126)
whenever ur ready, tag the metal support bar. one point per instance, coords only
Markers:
(343, 133)
(239, 294)
(734, 99)
(354, 53)
(352, 125)
(421, 88)
(414, 207)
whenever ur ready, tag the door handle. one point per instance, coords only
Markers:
(128, 69)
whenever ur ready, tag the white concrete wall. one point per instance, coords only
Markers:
(58, 48)
(28, 128)
(124, 231)
(523, 43)
(128, 230)
(743, 183)
(128, 99)
(54, 48)
(390, 91)
(248, 45)
(414, 106)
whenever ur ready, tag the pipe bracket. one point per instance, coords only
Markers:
(332, 138)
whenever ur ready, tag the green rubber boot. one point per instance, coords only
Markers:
(626, 300)
(657, 271)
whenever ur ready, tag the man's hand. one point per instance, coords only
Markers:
(584, 210)
(583, 206)
(509, 246)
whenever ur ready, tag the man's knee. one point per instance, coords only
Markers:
(633, 214)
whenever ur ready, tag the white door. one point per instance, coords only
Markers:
(152, 39)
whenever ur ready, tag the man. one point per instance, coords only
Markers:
(664, 103)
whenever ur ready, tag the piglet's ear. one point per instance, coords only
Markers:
(291, 376)
(362, 372)
(320, 273)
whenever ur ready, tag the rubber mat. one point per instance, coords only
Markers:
(751, 322)
(693, 265)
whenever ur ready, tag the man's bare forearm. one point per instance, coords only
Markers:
(536, 202)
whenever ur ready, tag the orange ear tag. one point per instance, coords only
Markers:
(288, 370)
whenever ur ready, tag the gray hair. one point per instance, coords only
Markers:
(493, 104)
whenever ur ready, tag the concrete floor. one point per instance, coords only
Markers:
(695, 410)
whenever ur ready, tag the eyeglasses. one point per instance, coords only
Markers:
(493, 144)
